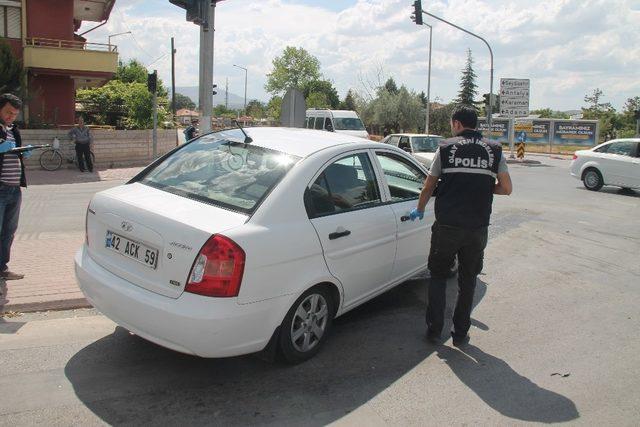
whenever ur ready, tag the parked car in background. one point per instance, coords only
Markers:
(224, 246)
(615, 162)
(339, 121)
(421, 146)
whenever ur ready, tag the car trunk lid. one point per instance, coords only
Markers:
(150, 237)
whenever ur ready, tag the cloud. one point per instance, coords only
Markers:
(566, 47)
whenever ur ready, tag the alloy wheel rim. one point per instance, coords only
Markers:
(591, 179)
(309, 323)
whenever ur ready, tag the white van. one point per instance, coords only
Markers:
(340, 121)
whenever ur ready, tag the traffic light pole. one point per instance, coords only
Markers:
(426, 127)
(155, 121)
(490, 107)
(206, 70)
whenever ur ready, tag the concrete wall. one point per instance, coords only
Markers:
(112, 148)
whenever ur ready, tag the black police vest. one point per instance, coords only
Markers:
(469, 170)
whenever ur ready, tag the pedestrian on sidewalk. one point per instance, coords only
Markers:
(471, 170)
(12, 177)
(82, 137)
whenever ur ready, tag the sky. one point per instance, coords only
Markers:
(567, 48)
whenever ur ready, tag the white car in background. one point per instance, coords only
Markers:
(615, 162)
(423, 147)
(230, 244)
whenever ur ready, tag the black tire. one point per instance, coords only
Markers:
(306, 325)
(592, 179)
(50, 160)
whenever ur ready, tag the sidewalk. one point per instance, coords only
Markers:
(47, 261)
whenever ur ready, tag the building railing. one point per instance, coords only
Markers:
(70, 44)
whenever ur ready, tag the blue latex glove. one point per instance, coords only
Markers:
(6, 146)
(28, 153)
(416, 214)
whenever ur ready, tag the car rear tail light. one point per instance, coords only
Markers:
(575, 157)
(217, 270)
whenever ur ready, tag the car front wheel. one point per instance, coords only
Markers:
(306, 325)
(592, 180)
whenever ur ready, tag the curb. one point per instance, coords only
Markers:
(55, 305)
(523, 162)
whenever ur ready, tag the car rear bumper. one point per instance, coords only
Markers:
(192, 324)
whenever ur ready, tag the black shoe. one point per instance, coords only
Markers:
(459, 341)
(433, 337)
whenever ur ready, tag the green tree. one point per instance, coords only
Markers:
(394, 112)
(221, 110)
(294, 68)
(274, 107)
(325, 87)
(628, 117)
(349, 102)
(548, 113)
(125, 101)
(256, 109)
(11, 74)
(183, 101)
(468, 87)
(440, 120)
(595, 106)
(390, 86)
(131, 72)
(317, 100)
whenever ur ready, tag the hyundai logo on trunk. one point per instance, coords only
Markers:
(126, 226)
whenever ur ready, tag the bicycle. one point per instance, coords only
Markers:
(51, 159)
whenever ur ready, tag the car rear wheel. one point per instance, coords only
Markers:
(306, 325)
(592, 179)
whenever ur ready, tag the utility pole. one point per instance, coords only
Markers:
(173, 80)
(245, 87)
(226, 95)
(152, 85)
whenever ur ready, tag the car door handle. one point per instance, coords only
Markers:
(405, 218)
(339, 234)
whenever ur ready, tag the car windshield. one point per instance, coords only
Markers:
(425, 144)
(219, 170)
(348, 123)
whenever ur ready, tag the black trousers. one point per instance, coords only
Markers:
(83, 154)
(446, 243)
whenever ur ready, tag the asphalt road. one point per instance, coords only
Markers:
(554, 339)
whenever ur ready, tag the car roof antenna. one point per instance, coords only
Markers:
(247, 138)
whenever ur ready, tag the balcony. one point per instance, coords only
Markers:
(68, 55)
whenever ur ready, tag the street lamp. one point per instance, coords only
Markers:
(115, 35)
(245, 87)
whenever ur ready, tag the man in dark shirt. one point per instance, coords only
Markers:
(471, 170)
(12, 177)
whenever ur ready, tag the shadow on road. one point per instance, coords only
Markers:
(506, 391)
(616, 190)
(125, 379)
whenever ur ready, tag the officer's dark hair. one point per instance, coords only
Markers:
(8, 98)
(466, 115)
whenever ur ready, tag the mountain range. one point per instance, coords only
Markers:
(235, 101)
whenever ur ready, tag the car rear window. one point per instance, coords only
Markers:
(219, 170)
(425, 144)
(348, 123)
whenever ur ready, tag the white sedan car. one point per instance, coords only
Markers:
(230, 245)
(615, 162)
(422, 146)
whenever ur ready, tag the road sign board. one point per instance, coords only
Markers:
(514, 97)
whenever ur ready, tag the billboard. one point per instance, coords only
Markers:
(571, 132)
(499, 130)
(539, 133)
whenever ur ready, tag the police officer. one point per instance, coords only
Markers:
(471, 170)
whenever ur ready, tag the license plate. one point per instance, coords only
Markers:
(131, 249)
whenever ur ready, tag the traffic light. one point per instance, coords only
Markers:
(417, 12)
(152, 81)
(214, 89)
(196, 9)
